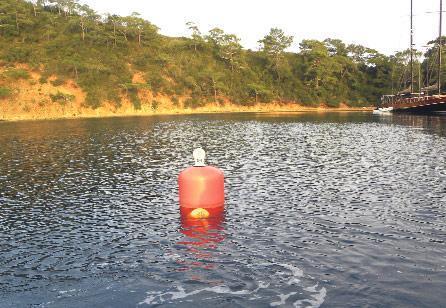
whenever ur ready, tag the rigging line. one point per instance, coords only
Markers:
(433, 63)
(399, 82)
(420, 14)
(411, 46)
(403, 80)
(430, 69)
(439, 47)
(432, 12)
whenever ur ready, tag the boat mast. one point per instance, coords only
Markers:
(411, 46)
(439, 48)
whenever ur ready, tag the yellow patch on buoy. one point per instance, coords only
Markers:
(199, 213)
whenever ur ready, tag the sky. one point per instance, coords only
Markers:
(380, 24)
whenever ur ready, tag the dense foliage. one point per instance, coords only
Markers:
(72, 41)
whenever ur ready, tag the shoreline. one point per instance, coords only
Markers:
(266, 109)
(34, 100)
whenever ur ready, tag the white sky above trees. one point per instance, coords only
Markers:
(378, 24)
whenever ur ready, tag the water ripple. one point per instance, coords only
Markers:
(328, 209)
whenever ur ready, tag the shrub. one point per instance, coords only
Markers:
(175, 101)
(192, 102)
(92, 99)
(178, 89)
(43, 79)
(61, 98)
(113, 96)
(18, 54)
(133, 96)
(168, 91)
(134, 86)
(332, 103)
(17, 74)
(157, 83)
(155, 104)
(132, 92)
(5, 92)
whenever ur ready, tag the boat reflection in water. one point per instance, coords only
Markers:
(432, 123)
(202, 238)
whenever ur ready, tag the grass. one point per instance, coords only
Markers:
(5, 92)
(61, 98)
(17, 74)
(58, 82)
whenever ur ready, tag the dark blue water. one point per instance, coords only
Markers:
(331, 210)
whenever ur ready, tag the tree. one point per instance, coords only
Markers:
(227, 47)
(46, 34)
(140, 27)
(87, 19)
(35, 4)
(57, 4)
(213, 80)
(114, 21)
(430, 63)
(273, 46)
(197, 38)
(361, 55)
(6, 19)
(70, 6)
(336, 47)
(324, 71)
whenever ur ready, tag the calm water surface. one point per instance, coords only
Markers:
(331, 210)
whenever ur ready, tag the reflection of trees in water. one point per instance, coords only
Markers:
(435, 123)
(202, 238)
(44, 161)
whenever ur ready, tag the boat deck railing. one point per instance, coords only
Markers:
(398, 102)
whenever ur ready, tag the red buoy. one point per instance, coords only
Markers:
(201, 189)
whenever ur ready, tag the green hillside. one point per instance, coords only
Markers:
(101, 53)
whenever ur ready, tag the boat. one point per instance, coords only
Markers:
(387, 110)
(422, 100)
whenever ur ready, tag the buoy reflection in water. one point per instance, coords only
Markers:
(202, 237)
